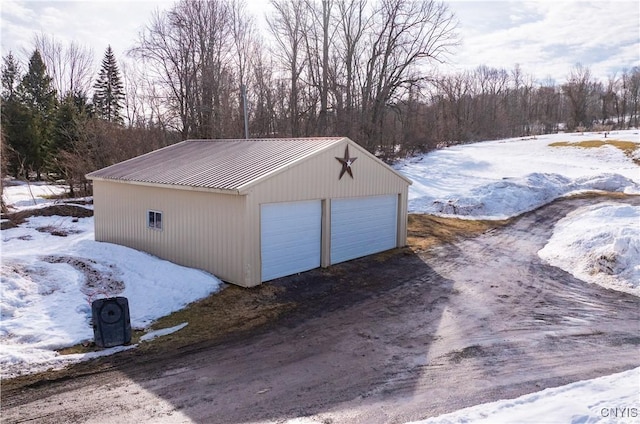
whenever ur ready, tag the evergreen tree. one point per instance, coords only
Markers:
(36, 90)
(71, 115)
(109, 91)
(69, 137)
(30, 118)
(10, 118)
(10, 77)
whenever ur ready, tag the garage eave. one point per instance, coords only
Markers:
(375, 158)
(169, 186)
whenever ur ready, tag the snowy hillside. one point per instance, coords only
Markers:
(504, 178)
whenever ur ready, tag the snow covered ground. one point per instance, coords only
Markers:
(599, 244)
(608, 399)
(504, 178)
(47, 286)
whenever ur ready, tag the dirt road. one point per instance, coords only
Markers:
(386, 339)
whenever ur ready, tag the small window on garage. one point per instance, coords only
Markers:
(154, 220)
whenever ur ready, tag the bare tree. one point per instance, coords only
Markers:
(454, 99)
(353, 23)
(491, 86)
(71, 67)
(620, 100)
(4, 162)
(265, 110)
(190, 50)
(548, 110)
(626, 98)
(406, 37)
(166, 47)
(245, 47)
(520, 102)
(579, 90)
(318, 41)
(135, 101)
(289, 25)
(607, 99)
(210, 24)
(632, 91)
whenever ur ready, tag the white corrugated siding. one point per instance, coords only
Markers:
(200, 230)
(290, 237)
(362, 226)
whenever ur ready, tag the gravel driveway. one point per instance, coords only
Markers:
(385, 339)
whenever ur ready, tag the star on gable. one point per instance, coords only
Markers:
(346, 163)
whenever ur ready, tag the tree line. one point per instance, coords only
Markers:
(489, 103)
(366, 69)
(50, 126)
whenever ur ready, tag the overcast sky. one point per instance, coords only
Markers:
(546, 37)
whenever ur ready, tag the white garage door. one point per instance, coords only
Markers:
(363, 225)
(290, 237)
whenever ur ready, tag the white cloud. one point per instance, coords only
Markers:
(547, 38)
(92, 23)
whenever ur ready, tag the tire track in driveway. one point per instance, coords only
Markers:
(515, 325)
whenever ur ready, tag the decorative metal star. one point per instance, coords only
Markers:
(346, 163)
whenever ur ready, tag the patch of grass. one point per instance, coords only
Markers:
(234, 309)
(472, 351)
(426, 231)
(628, 147)
(231, 310)
(87, 347)
(594, 194)
(381, 257)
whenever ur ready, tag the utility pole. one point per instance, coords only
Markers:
(243, 88)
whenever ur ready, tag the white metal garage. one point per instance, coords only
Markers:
(249, 211)
(290, 237)
(361, 226)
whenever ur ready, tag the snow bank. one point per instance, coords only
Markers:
(514, 196)
(610, 399)
(164, 332)
(504, 178)
(599, 244)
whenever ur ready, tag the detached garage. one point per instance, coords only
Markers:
(250, 211)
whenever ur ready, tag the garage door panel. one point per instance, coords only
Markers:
(290, 238)
(363, 226)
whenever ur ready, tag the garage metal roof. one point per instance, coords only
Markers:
(215, 164)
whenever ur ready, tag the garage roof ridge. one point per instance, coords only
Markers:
(283, 139)
(228, 164)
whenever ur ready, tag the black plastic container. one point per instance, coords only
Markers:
(111, 323)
